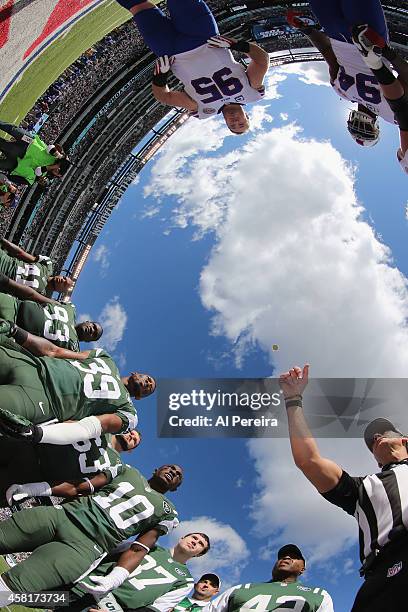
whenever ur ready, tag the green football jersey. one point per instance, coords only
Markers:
(77, 389)
(34, 275)
(158, 582)
(78, 460)
(121, 510)
(55, 322)
(8, 307)
(273, 596)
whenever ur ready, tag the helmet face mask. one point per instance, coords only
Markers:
(363, 128)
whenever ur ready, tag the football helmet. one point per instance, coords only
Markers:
(363, 128)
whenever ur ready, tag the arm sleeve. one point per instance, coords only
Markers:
(171, 599)
(345, 493)
(327, 603)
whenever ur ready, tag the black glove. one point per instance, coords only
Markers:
(162, 68)
(16, 426)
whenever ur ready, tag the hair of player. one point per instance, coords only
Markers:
(206, 538)
(99, 334)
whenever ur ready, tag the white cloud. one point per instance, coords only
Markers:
(284, 116)
(311, 73)
(113, 319)
(84, 317)
(101, 255)
(287, 508)
(295, 265)
(228, 554)
(348, 566)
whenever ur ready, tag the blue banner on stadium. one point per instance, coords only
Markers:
(274, 28)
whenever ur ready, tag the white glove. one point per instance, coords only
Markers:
(30, 489)
(104, 584)
(163, 64)
(370, 44)
(219, 41)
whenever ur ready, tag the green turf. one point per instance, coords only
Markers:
(58, 56)
(3, 568)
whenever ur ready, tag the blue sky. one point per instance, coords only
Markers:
(291, 235)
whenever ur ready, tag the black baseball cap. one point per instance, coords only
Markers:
(292, 551)
(378, 426)
(214, 578)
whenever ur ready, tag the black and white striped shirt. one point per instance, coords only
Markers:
(379, 502)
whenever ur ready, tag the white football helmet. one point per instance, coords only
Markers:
(363, 128)
(403, 160)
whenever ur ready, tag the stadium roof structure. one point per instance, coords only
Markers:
(112, 135)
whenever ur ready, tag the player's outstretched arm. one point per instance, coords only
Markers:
(70, 432)
(23, 292)
(318, 39)
(258, 66)
(127, 563)
(16, 251)
(322, 473)
(162, 93)
(174, 98)
(87, 486)
(41, 347)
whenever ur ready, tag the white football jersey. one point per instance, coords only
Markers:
(213, 78)
(355, 81)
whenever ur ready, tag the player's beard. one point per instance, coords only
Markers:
(122, 442)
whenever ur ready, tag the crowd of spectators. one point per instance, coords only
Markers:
(66, 96)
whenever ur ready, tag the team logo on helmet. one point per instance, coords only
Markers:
(363, 128)
(394, 570)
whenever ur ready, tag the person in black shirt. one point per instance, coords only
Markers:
(378, 501)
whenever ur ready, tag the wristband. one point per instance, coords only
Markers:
(383, 75)
(160, 80)
(241, 45)
(20, 335)
(91, 487)
(294, 401)
(389, 53)
(147, 549)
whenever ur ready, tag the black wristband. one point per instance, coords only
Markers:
(383, 75)
(160, 80)
(20, 335)
(241, 45)
(290, 403)
(389, 53)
